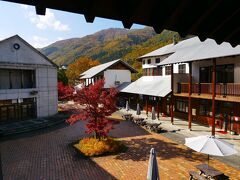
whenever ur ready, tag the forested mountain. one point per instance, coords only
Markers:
(108, 45)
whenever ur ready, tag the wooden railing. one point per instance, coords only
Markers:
(223, 89)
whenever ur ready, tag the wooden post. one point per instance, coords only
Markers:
(172, 100)
(189, 97)
(213, 95)
(147, 104)
(157, 107)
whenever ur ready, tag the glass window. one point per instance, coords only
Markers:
(168, 70)
(143, 62)
(182, 68)
(17, 79)
(181, 105)
(149, 61)
(157, 60)
(204, 108)
(159, 70)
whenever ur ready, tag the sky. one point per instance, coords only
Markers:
(41, 31)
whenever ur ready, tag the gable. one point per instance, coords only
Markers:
(26, 54)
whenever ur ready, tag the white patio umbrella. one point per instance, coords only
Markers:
(210, 145)
(127, 106)
(153, 117)
(138, 112)
(152, 166)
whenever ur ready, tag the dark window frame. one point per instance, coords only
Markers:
(168, 70)
(182, 69)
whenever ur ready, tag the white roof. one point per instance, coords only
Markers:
(171, 48)
(158, 52)
(150, 85)
(204, 50)
(97, 69)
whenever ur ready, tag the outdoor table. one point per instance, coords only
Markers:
(127, 116)
(153, 125)
(209, 171)
(138, 120)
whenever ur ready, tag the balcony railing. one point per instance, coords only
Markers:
(223, 89)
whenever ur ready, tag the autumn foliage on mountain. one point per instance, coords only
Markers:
(78, 67)
(98, 103)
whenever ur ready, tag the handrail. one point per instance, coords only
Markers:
(223, 89)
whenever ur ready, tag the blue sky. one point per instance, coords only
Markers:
(41, 31)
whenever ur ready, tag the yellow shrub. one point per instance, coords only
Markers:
(95, 147)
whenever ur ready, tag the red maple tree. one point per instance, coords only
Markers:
(64, 92)
(97, 103)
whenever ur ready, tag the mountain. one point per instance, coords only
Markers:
(108, 45)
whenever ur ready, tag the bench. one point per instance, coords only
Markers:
(195, 175)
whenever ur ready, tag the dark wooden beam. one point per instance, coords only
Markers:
(89, 18)
(172, 94)
(189, 97)
(213, 95)
(40, 10)
(147, 97)
(158, 108)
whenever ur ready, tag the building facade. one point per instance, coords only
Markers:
(114, 73)
(204, 83)
(28, 82)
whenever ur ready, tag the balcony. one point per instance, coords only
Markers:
(223, 90)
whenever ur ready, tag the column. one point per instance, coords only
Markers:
(213, 95)
(189, 96)
(147, 97)
(157, 98)
(172, 93)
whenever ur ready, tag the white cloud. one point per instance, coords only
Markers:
(40, 42)
(47, 21)
(60, 38)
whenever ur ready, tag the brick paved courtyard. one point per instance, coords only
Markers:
(47, 155)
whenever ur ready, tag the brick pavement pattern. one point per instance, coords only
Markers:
(49, 156)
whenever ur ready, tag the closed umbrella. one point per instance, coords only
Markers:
(210, 145)
(153, 114)
(127, 106)
(138, 109)
(152, 166)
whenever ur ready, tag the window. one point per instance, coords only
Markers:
(168, 70)
(159, 70)
(224, 74)
(204, 109)
(155, 71)
(181, 105)
(182, 68)
(157, 60)
(149, 61)
(143, 62)
(17, 79)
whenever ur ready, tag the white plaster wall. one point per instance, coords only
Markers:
(46, 76)
(220, 61)
(112, 75)
(25, 55)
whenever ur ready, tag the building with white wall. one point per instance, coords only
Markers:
(114, 73)
(204, 81)
(28, 82)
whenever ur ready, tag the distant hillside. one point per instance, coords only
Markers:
(108, 45)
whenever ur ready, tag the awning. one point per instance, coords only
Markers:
(159, 86)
